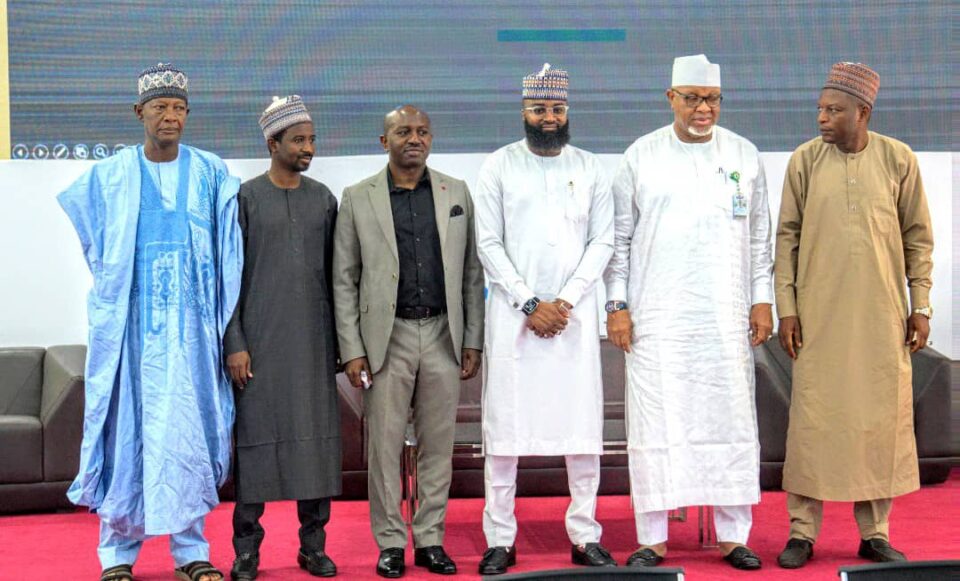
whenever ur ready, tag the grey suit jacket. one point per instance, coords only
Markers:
(366, 267)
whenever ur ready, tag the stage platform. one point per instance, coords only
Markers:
(62, 546)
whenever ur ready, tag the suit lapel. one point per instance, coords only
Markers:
(380, 200)
(441, 205)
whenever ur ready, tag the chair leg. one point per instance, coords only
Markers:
(708, 536)
(408, 469)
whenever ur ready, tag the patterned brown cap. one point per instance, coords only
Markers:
(856, 79)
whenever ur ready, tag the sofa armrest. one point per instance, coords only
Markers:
(353, 438)
(932, 383)
(773, 389)
(61, 411)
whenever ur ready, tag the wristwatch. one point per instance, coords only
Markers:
(925, 311)
(614, 306)
(530, 306)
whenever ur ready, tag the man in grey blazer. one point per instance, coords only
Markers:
(408, 300)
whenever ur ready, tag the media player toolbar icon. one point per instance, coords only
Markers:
(40, 151)
(61, 151)
(100, 151)
(81, 151)
(20, 151)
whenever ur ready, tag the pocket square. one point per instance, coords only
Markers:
(456, 211)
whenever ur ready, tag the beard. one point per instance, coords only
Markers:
(548, 140)
(700, 132)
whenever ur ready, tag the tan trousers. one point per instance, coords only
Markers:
(419, 372)
(806, 516)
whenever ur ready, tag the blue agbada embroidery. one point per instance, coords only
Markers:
(159, 405)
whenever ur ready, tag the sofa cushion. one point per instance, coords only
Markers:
(21, 442)
(21, 375)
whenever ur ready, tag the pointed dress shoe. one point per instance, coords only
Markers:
(743, 558)
(880, 551)
(496, 560)
(644, 557)
(390, 564)
(591, 555)
(795, 554)
(245, 567)
(435, 559)
(317, 563)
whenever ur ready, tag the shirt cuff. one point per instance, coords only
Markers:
(786, 305)
(919, 297)
(521, 293)
(234, 340)
(617, 290)
(762, 293)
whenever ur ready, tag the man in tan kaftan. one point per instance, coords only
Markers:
(854, 228)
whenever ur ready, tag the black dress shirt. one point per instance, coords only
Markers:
(418, 244)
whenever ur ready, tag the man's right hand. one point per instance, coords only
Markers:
(620, 329)
(238, 364)
(548, 320)
(353, 369)
(790, 338)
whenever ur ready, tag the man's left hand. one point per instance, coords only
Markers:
(761, 323)
(469, 362)
(918, 329)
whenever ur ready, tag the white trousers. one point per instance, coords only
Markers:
(500, 490)
(732, 524)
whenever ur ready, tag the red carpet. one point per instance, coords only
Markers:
(62, 546)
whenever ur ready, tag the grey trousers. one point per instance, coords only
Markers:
(420, 372)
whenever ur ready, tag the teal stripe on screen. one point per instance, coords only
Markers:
(562, 35)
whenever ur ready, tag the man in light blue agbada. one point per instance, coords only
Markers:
(158, 227)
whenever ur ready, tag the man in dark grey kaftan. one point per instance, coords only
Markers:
(281, 347)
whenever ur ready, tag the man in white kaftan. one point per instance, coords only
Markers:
(689, 289)
(544, 236)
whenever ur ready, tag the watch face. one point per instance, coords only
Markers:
(530, 306)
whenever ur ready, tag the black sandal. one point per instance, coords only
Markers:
(195, 570)
(118, 573)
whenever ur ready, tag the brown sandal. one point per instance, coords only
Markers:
(118, 573)
(195, 570)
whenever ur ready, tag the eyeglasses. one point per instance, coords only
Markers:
(693, 101)
(540, 110)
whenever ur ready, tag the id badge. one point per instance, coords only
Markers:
(740, 209)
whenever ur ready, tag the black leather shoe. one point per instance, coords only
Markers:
(435, 559)
(880, 551)
(496, 560)
(390, 564)
(317, 563)
(743, 558)
(645, 557)
(591, 555)
(245, 567)
(795, 554)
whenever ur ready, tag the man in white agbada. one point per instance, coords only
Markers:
(689, 289)
(544, 236)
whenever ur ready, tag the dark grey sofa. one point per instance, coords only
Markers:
(41, 425)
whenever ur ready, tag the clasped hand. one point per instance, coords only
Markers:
(550, 318)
